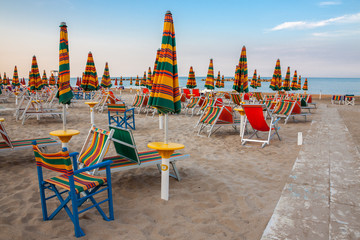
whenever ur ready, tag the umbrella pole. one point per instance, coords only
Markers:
(165, 166)
(161, 121)
(166, 129)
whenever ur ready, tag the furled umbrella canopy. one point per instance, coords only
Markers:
(52, 80)
(65, 93)
(305, 87)
(1, 81)
(218, 81)
(121, 81)
(44, 79)
(236, 85)
(222, 81)
(254, 80)
(137, 81)
(149, 79)
(131, 81)
(116, 82)
(286, 85)
(155, 64)
(4, 79)
(294, 81)
(243, 71)
(90, 80)
(209, 82)
(191, 82)
(258, 81)
(299, 83)
(106, 81)
(276, 78)
(31, 81)
(35, 75)
(15, 81)
(165, 93)
(143, 80)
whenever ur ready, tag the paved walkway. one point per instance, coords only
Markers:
(321, 199)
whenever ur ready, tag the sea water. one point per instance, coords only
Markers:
(339, 86)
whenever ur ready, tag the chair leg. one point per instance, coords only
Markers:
(75, 216)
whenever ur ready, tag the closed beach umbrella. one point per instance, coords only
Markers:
(258, 82)
(149, 79)
(237, 82)
(191, 82)
(276, 78)
(35, 75)
(137, 81)
(286, 85)
(294, 81)
(106, 81)
(209, 81)
(1, 81)
(31, 82)
(116, 82)
(121, 81)
(44, 79)
(299, 83)
(4, 79)
(305, 87)
(15, 81)
(52, 80)
(218, 81)
(253, 80)
(90, 80)
(131, 81)
(143, 80)
(222, 81)
(243, 71)
(155, 64)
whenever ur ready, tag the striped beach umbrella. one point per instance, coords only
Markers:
(243, 71)
(305, 87)
(131, 81)
(121, 81)
(149, 79)
(1, 81)
(276, 78)
(137, 81)
(65, 93)
(236, 85)
(254, 80)
(143, 80)
(90, 80)
(165, 93)
(155, 64)
(299, 83)
(106, 81)
(286, 85)
(4, 79)
(218, 81)
(222, 81)
(258, 83)
(116, 82)
(191, 82)
(52, 80)
(294, 81)
(35, 75)
(44, 79)
(15, 81)
(209, 81)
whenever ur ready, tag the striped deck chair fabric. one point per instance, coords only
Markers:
(210, 115)
(140, 102)
(73, 181)
(349, 100)
(337, 99)
(191, 105)
(121, 116)
(236, 98)
(258, 96)
(286, 109)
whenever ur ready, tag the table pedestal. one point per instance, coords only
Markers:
(92, 116)
(242, 121)
(64, 136)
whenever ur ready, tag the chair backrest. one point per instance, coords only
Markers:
(187, 92)
(337, 97)
(254, 114)
(210, 115)
(4, 135)
(193, 102)
(125, 144)
(258, 96)
(226, 114)
(97, 149)
(218, 102)
(58, 162)
(112, 97)
(284, 108)
(138, 99)
(145, 91)
(117, 107)
(196, 92)
(236, 98)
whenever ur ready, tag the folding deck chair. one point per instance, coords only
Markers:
(286, 109)
(121, 116)
(9, 145)
(191, 105)
(236, 99)
(349, 100)
(209, 102)
(215, 117)
(255, 115)
(258, 96)
(78, 185)
(140, 102)
(337, 99)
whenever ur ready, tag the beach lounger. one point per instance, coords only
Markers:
(140, 101)
(337, 99)
(255, 116)
(216, 117)
(196, 92)
(10, 145)
(186, 91)
(191, 105)
(258, 96)
(349, 100)
(120, 116)
(236, 99)
(209, 102)
(77, 186)
(286, 109)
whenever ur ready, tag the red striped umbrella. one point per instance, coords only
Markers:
(44, 79)
(305, 87)
(106, 81)
(155, 64)
(243, 71)
(137, 81)
(116, 82)
(218, 81)
(254, 80)
(143, 80)
(149, 79)
(259, 82)
(299, 83)
(1, 82)
(191, 82)
(131, 81)
(236, 85)
(222, 82)
(15, 81)
(286, 85)
(35, 75)
(294, 81)
(209, 82)
(90, 80)
(276, 79)
(52, 80)
(121, 81)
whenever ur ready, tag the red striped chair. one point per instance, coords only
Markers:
(255, 115)
(9, 145)
(72, 182)
(140, 101)
(236, 99)
(286, 109)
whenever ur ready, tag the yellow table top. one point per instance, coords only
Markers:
(2, 119)
(165, 147)
(240, 110)
(91, 104)
(62, 133)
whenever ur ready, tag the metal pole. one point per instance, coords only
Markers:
(166, 129)
(64, 117)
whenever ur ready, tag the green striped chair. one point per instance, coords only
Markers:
(286, 109)
(140, 102)
(128, 156)
(236, 98)
(191, 105)
(70, 184)
(119, 115)
(9, 145)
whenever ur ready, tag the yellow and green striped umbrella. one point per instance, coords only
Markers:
(15, 81)
(131, 81)
(35, 75)
(253, 80)
(191, 82)
(218, 81)
(294, 81)
(305, 87)
(155, 65)
(209, 82)
(65, 93)
(298, 87)
(44, 79)
(276, 79)
(52, 80)
(1, 81)
(106, 81)
(258, 83)
(236, 85)
(286, 85)
(243, 71)
(149, 79)
(143, 80)
(165, 93)
(222, 81)
(137, 81)
(121, 81)
(90, 80)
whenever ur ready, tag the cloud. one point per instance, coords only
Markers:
(351, 18)
(330, 3)
(343, 33)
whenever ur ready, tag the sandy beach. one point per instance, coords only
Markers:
(227, 191)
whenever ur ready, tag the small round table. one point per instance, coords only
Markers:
(165, 151)
(65, 136)
(242, 120)
(92, 117)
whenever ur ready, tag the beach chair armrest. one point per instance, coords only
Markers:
(276, 120)
(130, 110)
(74, 155)
(98, 165)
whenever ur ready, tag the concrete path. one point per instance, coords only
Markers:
(321, 199)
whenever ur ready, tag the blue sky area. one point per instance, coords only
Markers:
(316, 38)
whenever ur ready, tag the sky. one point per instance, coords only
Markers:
(316, 38)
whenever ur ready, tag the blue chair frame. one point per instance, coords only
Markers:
(121, 117)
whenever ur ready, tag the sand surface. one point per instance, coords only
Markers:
(227, 191)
